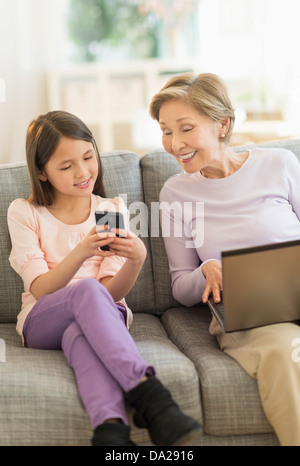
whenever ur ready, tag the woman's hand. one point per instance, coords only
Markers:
(212, 271)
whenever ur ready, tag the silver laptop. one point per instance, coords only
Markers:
(261, 286)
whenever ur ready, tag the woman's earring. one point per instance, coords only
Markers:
(223, 135)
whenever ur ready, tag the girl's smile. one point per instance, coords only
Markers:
(84, 185)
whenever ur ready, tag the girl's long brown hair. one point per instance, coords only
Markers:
(42, 139)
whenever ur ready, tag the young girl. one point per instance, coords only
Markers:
(74, 291)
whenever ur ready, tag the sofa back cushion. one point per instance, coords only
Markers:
(14, 183)
(290, 144)
(157, 167)
(122, 176)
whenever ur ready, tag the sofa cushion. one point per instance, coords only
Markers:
(39, 401)
(173, 368)
(14, 183)
(293, 145)
(122, 177)
(157, 167)
(227, 391)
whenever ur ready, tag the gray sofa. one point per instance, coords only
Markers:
(39, 402)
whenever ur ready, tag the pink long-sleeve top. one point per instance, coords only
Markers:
(40, 241)
(258, 204)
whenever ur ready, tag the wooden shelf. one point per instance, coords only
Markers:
(106, 96)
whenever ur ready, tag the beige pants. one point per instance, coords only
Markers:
(271, 354)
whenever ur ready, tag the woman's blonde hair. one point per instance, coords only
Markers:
(43, 137)
(206, 92)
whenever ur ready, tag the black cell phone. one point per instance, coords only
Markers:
(112, 219)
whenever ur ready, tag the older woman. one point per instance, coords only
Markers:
(249, 198)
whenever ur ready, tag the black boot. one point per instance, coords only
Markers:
(157, 411)
(111, 435)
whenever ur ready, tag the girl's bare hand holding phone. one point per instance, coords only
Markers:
(127, 244)
(92, 243)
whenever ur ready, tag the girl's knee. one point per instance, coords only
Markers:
(90, 286)
(87, 283)
(87, 295)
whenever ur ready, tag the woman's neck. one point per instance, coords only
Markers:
(224, 166)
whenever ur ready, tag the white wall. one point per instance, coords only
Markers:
(242, 40)
(254, 41)
(31, 34)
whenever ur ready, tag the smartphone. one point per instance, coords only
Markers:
(112, 219)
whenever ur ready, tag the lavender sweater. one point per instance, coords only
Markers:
(258, 204)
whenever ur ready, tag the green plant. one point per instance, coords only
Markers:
(112, 23)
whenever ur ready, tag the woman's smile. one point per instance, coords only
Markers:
(185, 158)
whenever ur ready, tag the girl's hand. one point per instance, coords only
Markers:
(212, 271)
(128, 245)
(93, 241)
(131, 247)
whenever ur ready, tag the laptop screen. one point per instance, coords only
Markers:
(261, 285)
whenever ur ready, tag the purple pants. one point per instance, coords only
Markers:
(83, 320)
